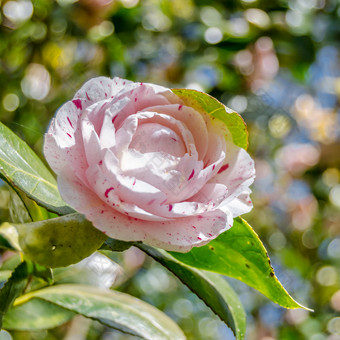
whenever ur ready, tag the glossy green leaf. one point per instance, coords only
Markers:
(14, 286)
(36, 314)
(240, 254)
(210, 287)
(111, 308)
(203, 102)
(60, 241)
(22, 168)
(9, 236)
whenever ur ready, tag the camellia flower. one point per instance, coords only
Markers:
(141, 165)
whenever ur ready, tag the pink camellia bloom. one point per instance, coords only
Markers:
(143, 166)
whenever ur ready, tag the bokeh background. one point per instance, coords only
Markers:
(276, 62)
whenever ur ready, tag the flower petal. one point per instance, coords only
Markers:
(240, 205)
(184, 233)
(91, 142)
(144, 167)
(101, 88)
(238, 171)
(115, 188)
(178, 235)
(141, 97)
(192, 120)
(108, 130)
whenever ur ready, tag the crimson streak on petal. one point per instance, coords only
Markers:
(107, 192)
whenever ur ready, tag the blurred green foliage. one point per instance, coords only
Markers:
(276, 62)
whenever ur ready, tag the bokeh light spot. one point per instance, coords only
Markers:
(308, 239)
(10, 102)
(277, 240)
(333, 325)
(334, 195)
(257, 17)
(331, 176)
(210, 16)
(129, 3)
(238, 27)
(213, 35)
(335, 301)
(333, 249)
(101, 31)
(244, 61)
(36, 83)
(279, 126)
(327, 276)
(294, 18)
(238, 103)
(4, 335)
(208, 326)
(195, 86)
(296, 316)
(183, 308)
(18, 11)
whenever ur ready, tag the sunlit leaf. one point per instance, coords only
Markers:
(111, 308)
(22, 168)
(60, 241)
(9, 237)
(203, 102)
(210, 287)
(36, 314)
(240, 254)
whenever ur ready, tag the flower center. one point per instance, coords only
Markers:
(153, 137)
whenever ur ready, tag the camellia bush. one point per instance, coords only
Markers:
(165, 171)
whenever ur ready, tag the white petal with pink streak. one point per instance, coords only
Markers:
(177, 235)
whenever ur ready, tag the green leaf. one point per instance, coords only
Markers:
(97, 270)
(111, 308)
(116, 245)
(9, 236)
(240, 254)
(24, 210)
(22, 168)
(36, 314)
(60, 241)
(43, 273)
(11, 262)
(203, 102)
(14, 286)
(210, 287)
(17, 209)
(5, 244)
(5, 275)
